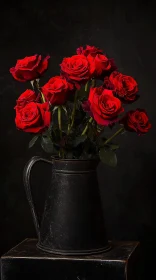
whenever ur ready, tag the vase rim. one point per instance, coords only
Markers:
(73, 159)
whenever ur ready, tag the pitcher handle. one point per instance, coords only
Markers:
(26, 180)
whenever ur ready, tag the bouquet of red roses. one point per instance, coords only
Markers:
(70, 112)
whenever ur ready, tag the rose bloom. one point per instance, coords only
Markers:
(25, 98)
(76, 69)
(57, 90)
(107, 83)
(104, 106)
(125, 86)
(34, 117)
(99, 64)
(92, 50)
(29, 68)
(136, 120)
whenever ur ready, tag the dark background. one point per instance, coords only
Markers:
(125, 30)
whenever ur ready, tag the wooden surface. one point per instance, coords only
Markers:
(25, 261)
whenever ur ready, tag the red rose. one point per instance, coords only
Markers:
(34, 117)
(76, 69)
(25, 98)
(107, 83)
(93, 51)
(137, 121)
(125, 86)
(57, 90)
(29, 68)
(104, 106)
(99, 64)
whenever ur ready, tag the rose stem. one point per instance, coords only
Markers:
(86, 127)
(93, 83)
(114, 135)
(38, 87)
(43, 98)
(86, 86)
(73, 114)
(60, 121)
(61, 152)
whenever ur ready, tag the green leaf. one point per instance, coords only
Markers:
(50, 128)
(69, 155)
(65, 110)
(100, 129)
(92, 133)
(32, 83)
(78, 140)
(108, 157)
(82, 93)
(113, 146)
(101, 141)
(55, 135)
(47, 144)
(55, 108)
(33, 141)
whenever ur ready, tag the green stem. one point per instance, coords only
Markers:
(60, 121)
(61, 152)
(86, 86)
(86, 127)
(114, 135)
(93, 82)
(42, 96)
(73, 114)
(38, 87)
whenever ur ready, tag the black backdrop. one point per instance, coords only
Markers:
(126, 31)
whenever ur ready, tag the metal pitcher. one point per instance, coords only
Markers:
(72, 222)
